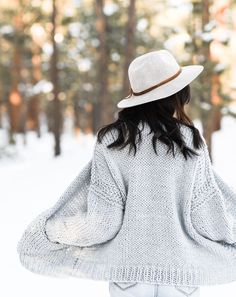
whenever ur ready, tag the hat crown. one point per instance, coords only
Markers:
(151, 68)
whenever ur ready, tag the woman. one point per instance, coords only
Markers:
(148, 213)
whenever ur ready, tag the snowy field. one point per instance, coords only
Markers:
(33, 180)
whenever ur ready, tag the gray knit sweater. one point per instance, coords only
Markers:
(144, 218)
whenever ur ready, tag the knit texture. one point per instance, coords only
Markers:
(145, 218)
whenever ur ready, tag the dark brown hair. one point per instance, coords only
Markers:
(158, 115)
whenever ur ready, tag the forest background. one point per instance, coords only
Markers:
(69, 59)
(63, 69)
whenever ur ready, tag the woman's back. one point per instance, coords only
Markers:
(158, 239)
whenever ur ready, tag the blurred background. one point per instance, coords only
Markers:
(63, 68)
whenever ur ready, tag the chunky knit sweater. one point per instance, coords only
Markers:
(144, 218)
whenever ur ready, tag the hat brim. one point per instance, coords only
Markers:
(187, 75)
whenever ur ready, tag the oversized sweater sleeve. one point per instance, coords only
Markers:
(103, 215)
(213, 208)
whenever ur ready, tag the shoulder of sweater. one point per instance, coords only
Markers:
(109, 137)
(112, 135)
(188, 136)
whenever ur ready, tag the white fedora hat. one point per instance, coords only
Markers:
(156, 75)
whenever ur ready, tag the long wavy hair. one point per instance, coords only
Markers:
(159, 115)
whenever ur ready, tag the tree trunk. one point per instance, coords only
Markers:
(15, 101)
(216, 101)
(103, 105)
(33, 105)
(129, 46)
(89, 121)
(57, 117)
(207, 115)
(219, 15)
(76, 113)
(1, 88)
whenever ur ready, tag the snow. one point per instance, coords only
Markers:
(34, 179)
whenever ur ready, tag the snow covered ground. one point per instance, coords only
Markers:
(34, 180)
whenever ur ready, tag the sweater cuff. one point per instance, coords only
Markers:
(52, 230)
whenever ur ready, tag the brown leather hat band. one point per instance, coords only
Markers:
(155, 86)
